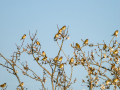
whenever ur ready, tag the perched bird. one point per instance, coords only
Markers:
(60, 59)
(43, 53)
(23, 37)
(86, 41)
(115, 80)
(60, 31)
(63, 28)
(115, 33)
(77, 46)
(37, 58)
(107, 82)
(83, 60)
(61, 65)
(112, 66)
(56, 35)
(45, 58)
(104, 47)
(56, 58)
(104, 56)
(115, 51)
(21, 84)
(3, 85)
(71, 60)
(37, 42)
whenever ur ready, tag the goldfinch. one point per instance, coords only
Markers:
(56, 35)
(37, 58)
(104, 47)
(3, 85)
(112, 66)
(37, 42)
(77, 46)
(60, 31)
(43, 53)
(104, 56)
(60, 59)
(115, 80)
(23, 37)
(61, 65)
(115, 33)
(63, 28)
(86, 41)
(115, 51)
(45, 58)
(56, 58)
(22, 84)
(107, 82)
(71, 60)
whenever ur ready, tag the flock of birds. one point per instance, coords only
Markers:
(56, 58)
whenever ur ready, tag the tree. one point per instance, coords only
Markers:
(109, 54)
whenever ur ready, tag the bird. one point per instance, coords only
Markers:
(56, 58)
(60, 59)
(61, 65)
(45, 58)
(107, 82)
(23, 37)
(21, 84)
(112, 66)
(60, 31)
(3, 85)
(43, 53)
(37, 42)
(63, 28)
(56, 35)
(71, 60)
(115, 80)
(77, 46)
(115, 33)
(104, 47)
(86, 41)
(37, 58)
(115, 51)
(104, 56)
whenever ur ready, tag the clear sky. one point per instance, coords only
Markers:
(95, 20)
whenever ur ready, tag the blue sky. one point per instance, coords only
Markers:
(93, 19)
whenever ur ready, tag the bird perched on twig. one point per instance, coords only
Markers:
(60, 31)
(43, 53)
(22, 84)
(71, 60)
(63, 28)
(56, 58)
(56, 35)
(37, 42)
(23, 37)
(112, 66)
(107, 82)
(77, 46)
(115, 51)
(104, 47)
(60, 59)
(45, 58)
(115, 80)
(61, 65)
(86, 41)
(115, 33)
(37, 58)
(3, 85)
